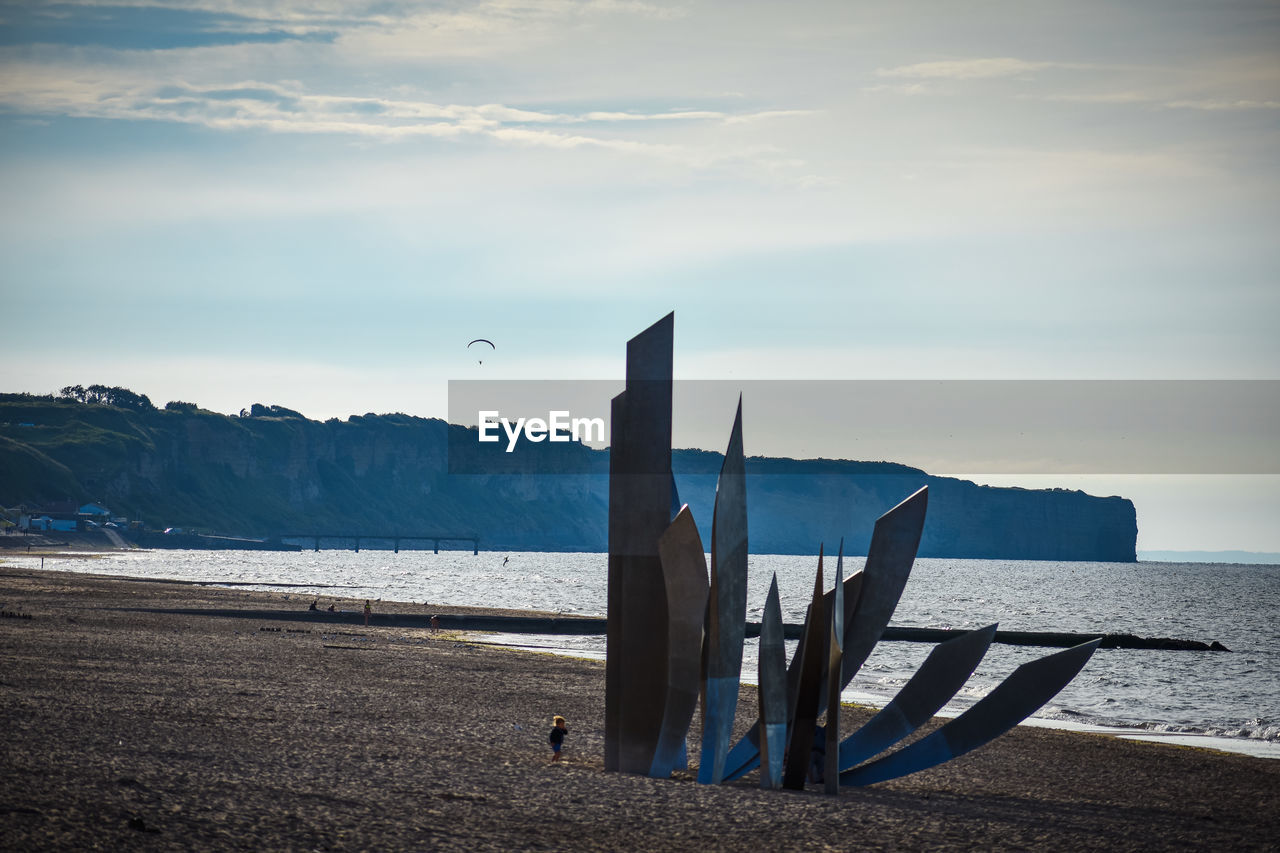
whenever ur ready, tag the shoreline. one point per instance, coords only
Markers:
(1253, 747)
(131, 725)
(471, 618)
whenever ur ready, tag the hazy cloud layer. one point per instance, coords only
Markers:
(289, 108)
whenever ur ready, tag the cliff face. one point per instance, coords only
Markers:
(794, 504)
(271, 474)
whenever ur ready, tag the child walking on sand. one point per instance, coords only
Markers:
(558, 731)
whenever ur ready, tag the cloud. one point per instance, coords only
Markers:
(131, 25)
(899, 89)
(967, 69)
(1128, 97)
(280, 108)
(142, 25)
(1240, 84)
(1215, 105)
(105, 90)
(765, 115)
(1152, 99)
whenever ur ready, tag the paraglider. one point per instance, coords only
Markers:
(482, 341)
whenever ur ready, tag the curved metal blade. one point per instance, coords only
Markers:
(941, 675)
(727, 613)
(889, 559)
(773, 690)
(684, 573)
(804, 714)
(835, 655)
(1017, 697)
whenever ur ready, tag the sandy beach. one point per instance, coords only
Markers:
(130, 725)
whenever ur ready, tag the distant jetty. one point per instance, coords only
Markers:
(201, 542)
(592, 626)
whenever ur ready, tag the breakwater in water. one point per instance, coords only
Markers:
(587, 626)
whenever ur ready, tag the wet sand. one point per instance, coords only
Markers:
(126, 726)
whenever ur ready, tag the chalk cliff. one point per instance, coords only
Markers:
(273, 471)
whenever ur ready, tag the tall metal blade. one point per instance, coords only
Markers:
(831, 755)
(804, 716)
(941, 675)
(894, 543)
(727, 610)
(773, 690)
(684, 571)
(1016, 698)
(639, 512)
(613, 629)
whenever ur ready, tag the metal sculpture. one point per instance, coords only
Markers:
(614, 601)
(804, 714)
(1016, 698)
(658, 594)
(639, 513)
(684, 571)
(727, 611)
(745, 755)
(772, 670)
(835, 655)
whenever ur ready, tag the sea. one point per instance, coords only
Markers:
(1221, 700)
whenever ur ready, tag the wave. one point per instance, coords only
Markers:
(1257, 729)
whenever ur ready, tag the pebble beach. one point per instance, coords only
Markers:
(133, 721)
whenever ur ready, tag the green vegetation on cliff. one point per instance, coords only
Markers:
(272, 471)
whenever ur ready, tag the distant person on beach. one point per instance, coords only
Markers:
(368, 608)
(315, 605)
(435, 624)
(558, 731)
(505, 560)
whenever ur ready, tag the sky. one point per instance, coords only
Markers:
(318, 204)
